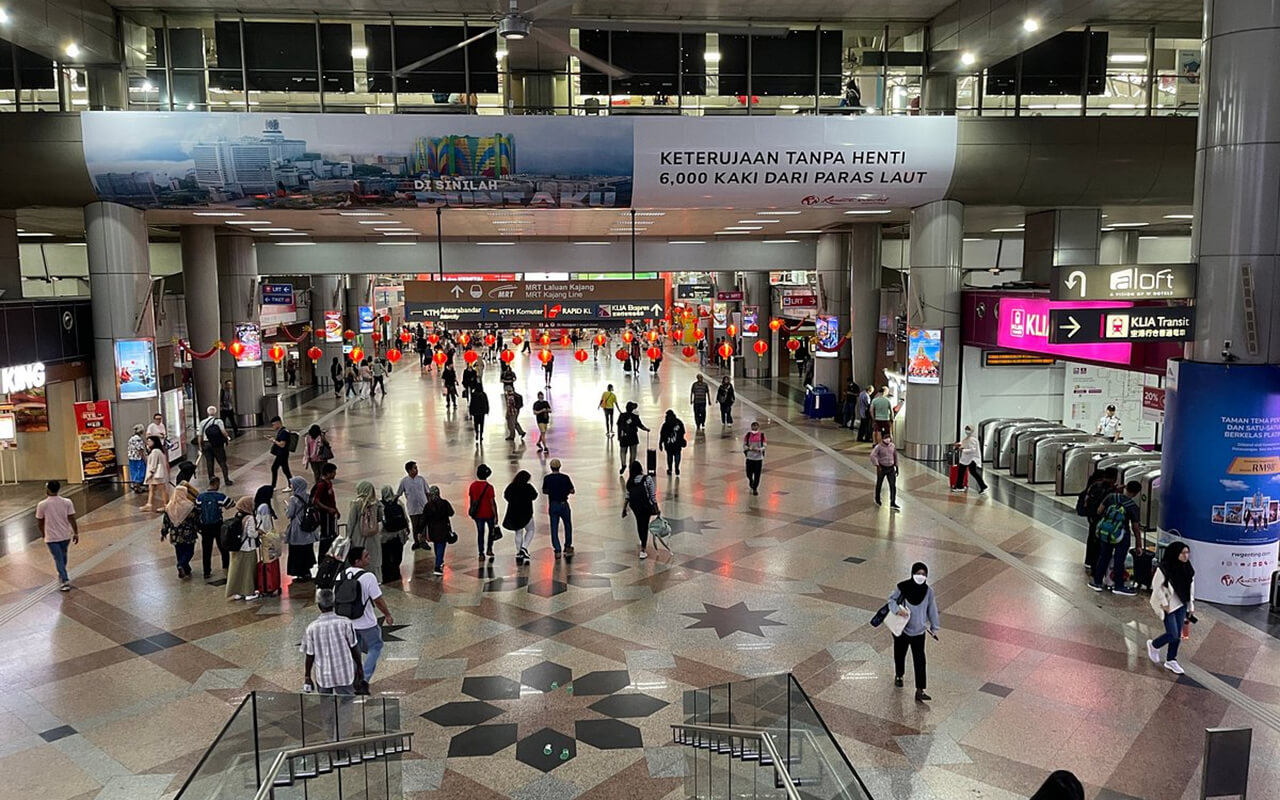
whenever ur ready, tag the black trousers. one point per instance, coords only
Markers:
(228, 417)
(753, 472)
(864, 429)
(218, 454)
(890, 474)
(378, 384)
(699, 414)
(900, 645)
(726, 413)
(210, 537)
(642, 526)
(280, 464)
(975, 471)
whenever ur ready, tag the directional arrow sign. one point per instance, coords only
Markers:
(1123, 282)
(456, 291)
(1095, 325)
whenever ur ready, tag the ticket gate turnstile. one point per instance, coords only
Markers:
(989, 434)
(1149, 500)
(1024, 445)
(1126, 461)
(1004, 456)
(1076, 464)
(1042, 465)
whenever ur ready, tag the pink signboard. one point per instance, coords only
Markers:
(1024, 325)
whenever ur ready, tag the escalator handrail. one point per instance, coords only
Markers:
(809, 702)
(763, 737)
(283, 757)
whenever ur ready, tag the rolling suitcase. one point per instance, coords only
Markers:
(651, 462)
(267, 580)
(959, 476)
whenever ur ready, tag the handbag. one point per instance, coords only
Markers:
(659, 528)
(877, 619)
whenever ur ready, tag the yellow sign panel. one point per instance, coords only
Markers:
(1269, 465)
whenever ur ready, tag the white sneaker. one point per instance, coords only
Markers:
(1174, 667)
(66, 587)
(253, 596)
(1153, 653)
(644, 554)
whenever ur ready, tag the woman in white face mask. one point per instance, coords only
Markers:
(970, 462)
(914, 600)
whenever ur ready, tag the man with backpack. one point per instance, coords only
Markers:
(356, 593)
(212, 439)
(209, 507)
(1088, 504)
(283, 442)
(1119, 519)
(753, 445)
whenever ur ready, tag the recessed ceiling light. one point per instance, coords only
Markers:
(500, 54)
(781, 241)
(812, 231)
(743, 227)
(973, 240)
(77, 244)
(512, 222)
(293, 244)
(33, 233)
(1128, 58)
(266, 222)
(389, 231)
(72, 50)
(732, 233)
(777, 213)
(687, 241)
(401, 233)
(359, 52)
(1031, 25)
(868, 211)
(1179, 216)
(410, 244)
(4, 16)
(377, 222)
(651, 213)
(216, 214)
(362, 214)
(270, 230)
(1007, 230)
(968, 59)
(755, 221)
(288, 233)
(495, 244)
(594, 243)
(1129, 224)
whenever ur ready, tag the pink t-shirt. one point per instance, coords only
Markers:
(56, 512)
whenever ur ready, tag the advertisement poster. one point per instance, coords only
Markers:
(136, 369)
(31, 408)
(250, 336)
(1220, 476)
(333, 326)
(924, 361)
(8, 428)
(828, 336)
(719, 316)
(1153, 404)
(173, 408)
(750, 321)
(366, 319)
(97, 445)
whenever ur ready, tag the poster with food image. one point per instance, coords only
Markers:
(31, 408)
(95, 438)
(333, 327)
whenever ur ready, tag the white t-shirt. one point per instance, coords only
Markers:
(370, 591)
(157, 429)
(56, 512)
(1109, 426)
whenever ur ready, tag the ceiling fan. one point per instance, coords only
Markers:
(516, 25)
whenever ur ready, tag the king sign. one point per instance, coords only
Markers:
(21, 377)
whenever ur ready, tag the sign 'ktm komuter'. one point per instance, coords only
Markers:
(1124, 282)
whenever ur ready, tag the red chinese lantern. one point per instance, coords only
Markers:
(357, 354)
(622, 354)
(434, 339)
(545, 355)
(464, 339)
(775, 324)
(386, 318)
(517, 340)
(627, 336)
(349, 335)
(507, 356)
(761, 347)
(699, 334)
(405, 337)
(676, 334)
(725, 350)
(490, 340)
(565, 341)
(753, 328)
(394, 355)
(440, 358)
(652, 335)
(315, 354)
(581, 355)
(600, 339)
(276, 353)
(470, 356)
(732, 330)
(236, 348)
(689, 350)
(654, 353)
(376, 337)
(544, 339)
(793, 345)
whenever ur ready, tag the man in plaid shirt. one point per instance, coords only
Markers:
(332, 651)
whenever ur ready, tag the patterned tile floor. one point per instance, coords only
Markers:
(114, 689)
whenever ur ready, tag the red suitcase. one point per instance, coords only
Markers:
(267, 581)
(959, 476)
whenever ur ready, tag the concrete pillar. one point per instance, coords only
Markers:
(359, 292)
(200, 279)
(107, 90)
(864, 305)
(120, 293)
(1119, 247)
(10, 268)
(933, 301)
(1061, 237)
(938, 95)
(328, 293)
(756, 288)
(239, 301)
(832, 268)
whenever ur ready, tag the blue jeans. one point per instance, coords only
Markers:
(371, 646)
(184, 551)
(558, 512)
(59, 550)
(485, 544)
(439, 548)
(1172, 635)
(1113, 553)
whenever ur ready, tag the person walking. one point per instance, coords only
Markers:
(332, 651)
(642, 500)
(227, 407)
(482, 506)
(335, 375)
(281, 445)
(378, 374)
(241, 574)
(1120, 515)
(469, 379)
(350, 376)
(181, 527)
(56, 519)
(753, 444)
(137, 455)
(325, 500)
(881, 414)
(1173, 598)
(366, 379)
(512, 402)
(970, 461)
(318, 451)
(698, 394)
(914, 600)
(520, 495)
(542, 416)
(608, 402)
(557, 487)
(478, 407)
(209, 507)
(863, 412)
(361, 612)
(302, 544)
(629, 427)
(450, 378)
(1101, 484)
(395, 532)
(364, 518)
(157, 475)
(549, 366)
(435, 517)
(884, 457)
(671, 440)
(413, 488)
(212, 438)
(725, 397)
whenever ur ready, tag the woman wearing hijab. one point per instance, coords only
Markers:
(302, 549)
(1173, 597)
(913, 599)
(435, 516)
(671, 440)
(395, 531)
(364, 517)
(520, 495)
(181, 526)
(267, 573)
(244, 560)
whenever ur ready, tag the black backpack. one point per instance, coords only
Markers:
(393, 516)
(213, 434)
(348, 595)
(233, 533)
(327, 572)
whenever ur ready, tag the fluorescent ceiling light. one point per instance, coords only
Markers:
(1129, 224)
(386, 231)
(388, 244)
(266, 222)
(378, 222)
(777, 213)
(1007, 230)
(216, 214)
(495, 244)
(651, 213)
(401, 233)
(270, 230)
(1179, 216)
(294, 244)
(359, 52)
(1148, 237)
(868, 211)
(33, 233)
(499, 54)
(362, 213)
(512, 222)
(1106, 230)
(732, 233)
(1128, 58)
(973, 240)
(743, 227)
(288, 233)
(687, 241)
(77, 244)
(593, 243)
(711, 56)
(756, 221)
(147, 87)
(968, 59)
(813, 231)
(1031, 25)
(781, 241)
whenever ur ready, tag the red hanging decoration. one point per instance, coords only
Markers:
(376, 337)
(761, 347)
(276, 353)
(753, 328)
(357, 354)
(699, 334)
(349, 335)
(405, 337)
(565, 341)
(689, 350)
(600, 339)
(434, 339)
(725, 350)
(517, 340)
(440, 358)
(581, 355)
(386, 318)
(627, 336)
(544, 339)
(507, 355)
(545, 355)
(236, 348)
(654, 353)
(652, 336)
(464, 339)
(394, 356)
(315, 354)
(219, 345)
(470, 356)
(775, 324)
(284, 331)
(622, 354)
(793, 345)
(676, 334)
(732, 330)
(490, 340)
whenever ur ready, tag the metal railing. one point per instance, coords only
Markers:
(339, 754)
(766, 752)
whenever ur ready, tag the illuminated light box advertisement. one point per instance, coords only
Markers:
(366, 319)
(136, 369)
(924, 356)
(750, 321)
(97, 443)
(250, 336)
(828, 334)
(333, 326)
(1024, 325)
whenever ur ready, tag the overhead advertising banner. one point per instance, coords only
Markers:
(97, 445)
(136, 369)
(1074, 325)
(261, 161)
(333, 327)
(1220, 475)
(924, 356)
(533, 301)
(250, 336)
(1023, 324)
(366, 319)
(1123, 282)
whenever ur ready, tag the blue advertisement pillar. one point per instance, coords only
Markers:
(1220, 475)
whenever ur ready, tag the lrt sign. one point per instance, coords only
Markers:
(1124, 282)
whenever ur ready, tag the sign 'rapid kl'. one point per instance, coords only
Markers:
(21, 377)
